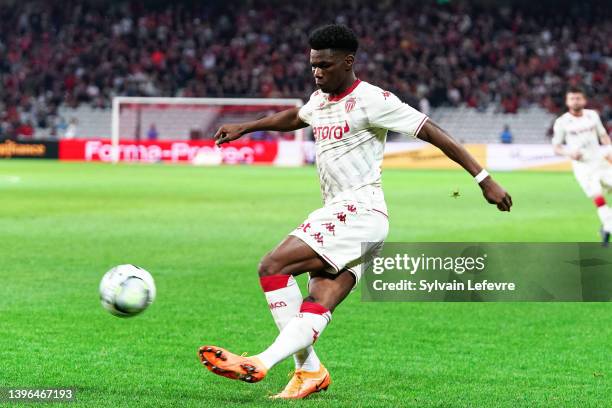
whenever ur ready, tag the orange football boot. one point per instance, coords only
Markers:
(229, 365)
(303, 383)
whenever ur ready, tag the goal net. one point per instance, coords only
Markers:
(181, 130)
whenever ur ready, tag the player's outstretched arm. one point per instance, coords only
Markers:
(284, 121)
(493, 192)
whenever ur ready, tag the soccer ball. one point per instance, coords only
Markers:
(127, 290)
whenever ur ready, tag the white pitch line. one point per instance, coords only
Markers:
(10, 179)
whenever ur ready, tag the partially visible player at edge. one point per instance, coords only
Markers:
(577, 135)
(350, 119)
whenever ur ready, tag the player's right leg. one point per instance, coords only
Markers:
(276, 270)
(300, 332)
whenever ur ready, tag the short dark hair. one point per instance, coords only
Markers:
(335, 37)
(575, 89)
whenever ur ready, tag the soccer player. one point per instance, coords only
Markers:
(577, 135)
(350, 119)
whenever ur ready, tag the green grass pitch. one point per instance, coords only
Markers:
(201, 233)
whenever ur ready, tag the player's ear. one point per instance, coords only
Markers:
(349, 60)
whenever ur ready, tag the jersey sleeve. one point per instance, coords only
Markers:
(558, 133)
(387, 111)
(601, 130)
(305, 112)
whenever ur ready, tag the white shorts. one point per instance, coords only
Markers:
(594, 177)
(346, 235)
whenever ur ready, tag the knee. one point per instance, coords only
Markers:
(324, 301)
(311, 298)
(268, 266)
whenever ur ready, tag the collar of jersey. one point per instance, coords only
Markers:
(335, 98)
(576, 116)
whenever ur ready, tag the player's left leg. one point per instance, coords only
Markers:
(601, 178)
(591, 179)
(604, 211)
(326, 291)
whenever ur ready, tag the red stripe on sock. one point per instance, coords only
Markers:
(273, 282)
(312, 307)
(599, 201)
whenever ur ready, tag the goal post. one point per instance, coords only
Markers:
(181, 129)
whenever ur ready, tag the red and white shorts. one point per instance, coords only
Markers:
(346, 235)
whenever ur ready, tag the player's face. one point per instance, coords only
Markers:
(330, 68)
(575, 101)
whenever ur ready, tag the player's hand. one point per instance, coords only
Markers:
(227, 133)
(609, 158)
(575, 156)
(495, 194)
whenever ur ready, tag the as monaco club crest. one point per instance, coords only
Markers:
(349, 105)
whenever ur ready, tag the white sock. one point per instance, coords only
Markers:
(284, 299)
(299, 333)
(307, 359)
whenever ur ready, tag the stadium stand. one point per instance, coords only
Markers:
(466, 124)
(66, 60)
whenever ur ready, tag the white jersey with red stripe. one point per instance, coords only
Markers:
(350, 130)
(581, 134)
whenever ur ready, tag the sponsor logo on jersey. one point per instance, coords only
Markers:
(330, 131)
(582, 130)
(386, 94)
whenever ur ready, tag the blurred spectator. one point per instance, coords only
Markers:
(152, 133)
(71, 129)
(25, 131)
(424, 106)
(506, 135)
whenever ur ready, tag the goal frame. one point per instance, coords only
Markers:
(118, 100)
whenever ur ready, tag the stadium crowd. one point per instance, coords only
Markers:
(430, 54)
